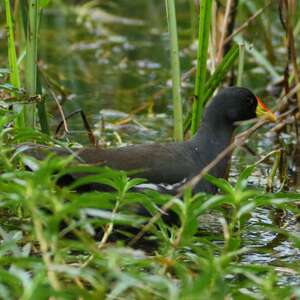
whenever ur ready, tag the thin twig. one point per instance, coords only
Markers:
(224, 31)
(86, 124)
(283, 101)
(108, 230)
(152, 221)
(247, 23)
(231, 24)
(132, 114)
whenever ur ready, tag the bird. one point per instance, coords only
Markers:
(174, 163)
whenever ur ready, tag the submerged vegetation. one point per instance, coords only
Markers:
(55, 243)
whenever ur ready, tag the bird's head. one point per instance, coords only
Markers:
(234, 104)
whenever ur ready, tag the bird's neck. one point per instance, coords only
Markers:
(216, 133)
(210, 140)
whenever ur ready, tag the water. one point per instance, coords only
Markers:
(121, 63)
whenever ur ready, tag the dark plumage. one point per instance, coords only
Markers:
(172, 163)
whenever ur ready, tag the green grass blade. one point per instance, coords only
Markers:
(12, 55)
(214, 81)
(202, 54)
(31, 16)
(239, 80)
(175, 64)
(220, 73)
(12, 59)
(31, 57)
(41, 108)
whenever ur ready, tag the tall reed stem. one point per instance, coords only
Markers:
(32, 86)
(202, 54)
(12, 55)
(12, 59)
(239, 81)
(175, 66)
(31, 57)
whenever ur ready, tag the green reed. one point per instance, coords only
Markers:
(202, 55)
(175, 69)
(30, 16)
(12, 58)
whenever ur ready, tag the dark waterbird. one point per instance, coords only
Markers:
(173, 163)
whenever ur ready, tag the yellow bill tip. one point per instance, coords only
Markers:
(262, 111)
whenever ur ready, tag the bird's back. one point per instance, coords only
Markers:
(158, 163)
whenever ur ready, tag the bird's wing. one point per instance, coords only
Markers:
(158, 163)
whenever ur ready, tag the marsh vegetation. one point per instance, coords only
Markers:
(112, 73)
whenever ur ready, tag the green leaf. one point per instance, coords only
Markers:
(214, 201)
(222, 69)
(243, 178)
(202, 54)
(214, 81)
(221, 183)
(134, 182)
(44, 3)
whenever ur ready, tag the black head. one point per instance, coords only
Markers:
(232, 104)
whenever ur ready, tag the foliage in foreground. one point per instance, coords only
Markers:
(67, 245)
